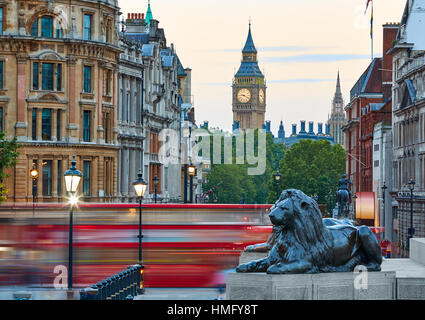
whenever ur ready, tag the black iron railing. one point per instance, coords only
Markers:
(121, 286)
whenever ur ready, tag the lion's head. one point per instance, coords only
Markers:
(299, 217)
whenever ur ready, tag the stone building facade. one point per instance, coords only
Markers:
(408, 58)
(58, 94)
(162, 98)
(130, 119)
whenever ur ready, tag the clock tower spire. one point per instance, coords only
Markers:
(249, 89)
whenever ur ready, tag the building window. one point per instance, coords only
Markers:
(47, 30)
(107, 85)
(87, 79)
(47, 27)
(87, 26)
(1, 20)
(46, 128)
(35, 76)
(107, 126)
(34, 29)
(34, 124)
(59, 177)
(47, 178)
(376, 147)
(47, 76)
(1, 118)
(59, 77)
(1, 74)
(86, 178)
(86, 126)
(58, 125)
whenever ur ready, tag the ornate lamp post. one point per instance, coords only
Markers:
(191, 171)
(34, 176)
(277, 176)
(155, 182)
(411, 230)
(72, 180)
(384, 189)
(140, 187)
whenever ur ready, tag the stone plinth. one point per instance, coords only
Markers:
(321, 286)
(417, 250)
(407, 276)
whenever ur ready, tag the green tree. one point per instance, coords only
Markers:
(313, 167)
(8, 159)
(234, 185)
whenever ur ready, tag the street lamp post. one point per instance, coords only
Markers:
(191, 171)
(277, 176)
(384, 189)
(155, 182)
(72, 180)
(355, 200)
(140, 187)
(34, 176)
(411, 230)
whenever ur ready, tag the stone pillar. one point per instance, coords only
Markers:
(119, 105)
(40, 178)
(65, 167)
(95, 177)
(119, 175)
(115, 102)
(62, 121)
(21, 126)
(27, 174)
(54, 124)
(55, 178)
(125, 175)
(100, 130)
(132, 99)
(101, 173)
(39, 124)
(72, 125)
(132, 166)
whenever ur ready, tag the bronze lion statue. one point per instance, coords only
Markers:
(303, 242)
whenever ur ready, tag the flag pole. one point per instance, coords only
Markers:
(371, 31)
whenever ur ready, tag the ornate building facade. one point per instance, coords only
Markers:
(154, 94)
(408, 122)
(130, 118)
(249, 90)
(337, 117)
(58, 95)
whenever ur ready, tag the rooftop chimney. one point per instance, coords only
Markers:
(294, 129)
(320, 128)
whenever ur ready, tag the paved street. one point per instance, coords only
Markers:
(179, 294)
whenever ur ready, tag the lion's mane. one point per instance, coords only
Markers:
(307, 238)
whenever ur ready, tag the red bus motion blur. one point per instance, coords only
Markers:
(183, 245)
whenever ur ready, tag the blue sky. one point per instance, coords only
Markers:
(301, 46)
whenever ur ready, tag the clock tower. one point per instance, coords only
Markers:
(249, 90)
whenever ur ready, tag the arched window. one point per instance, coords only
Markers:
(47, 27)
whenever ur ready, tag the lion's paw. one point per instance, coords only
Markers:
(242, 268)
(275, 269)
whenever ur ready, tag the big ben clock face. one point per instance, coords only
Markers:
(261, 95)
(244, 95)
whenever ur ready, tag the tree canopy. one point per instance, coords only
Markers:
(313, 167)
